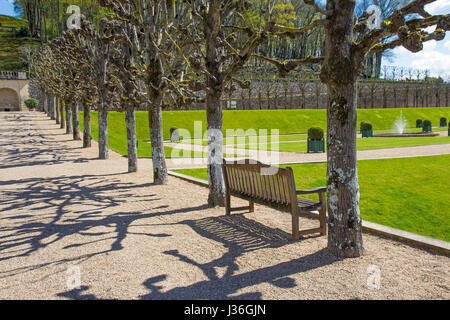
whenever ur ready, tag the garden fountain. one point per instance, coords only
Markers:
(400, 125)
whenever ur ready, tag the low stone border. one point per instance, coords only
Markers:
(436, 245)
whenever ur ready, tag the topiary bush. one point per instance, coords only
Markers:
(427, 126)
(31, 103)
(366, 126)
(315, 133)
(426, 123)
(316, 142)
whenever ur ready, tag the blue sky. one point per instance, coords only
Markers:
(6, 8)
(434, 57)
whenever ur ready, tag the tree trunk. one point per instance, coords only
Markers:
(61, 112)
(76, 122)
(68, 119)
(52, 107)
(57, 110)
(345, 234)
(160, 175)
(340, 72)
(103, 152)
(87, 136)
(130, 121)
(44, 101)
(378, 60)
(215, 150)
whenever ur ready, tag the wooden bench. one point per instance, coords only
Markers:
(273, 187)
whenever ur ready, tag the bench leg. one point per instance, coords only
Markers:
(251, 207)
(323, 214)
(227, 204)
(295, 224)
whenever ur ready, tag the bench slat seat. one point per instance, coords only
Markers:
(273, 187)
(307, 205)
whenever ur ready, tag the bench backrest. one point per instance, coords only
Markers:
(260, 182)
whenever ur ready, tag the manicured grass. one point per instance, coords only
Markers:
(384, 143)
(281, 137)
(117, 133)
(10, 44)
(286, 121)
(249, 139)
(9, 21)
(117, 138)
(411, 194)
(362, 144)
(296, 121)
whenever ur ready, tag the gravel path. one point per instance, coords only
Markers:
(62, 209)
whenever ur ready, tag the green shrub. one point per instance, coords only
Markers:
(23, 32)
(315, 133)
(419, 122)
(366, 126)
(443, 119)
(426, 123)
(31, 103)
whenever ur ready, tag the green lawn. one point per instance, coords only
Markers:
(362, 144)
(286, 121)
(10, 44)
(117, 138)
(249, 139)
(117, 131)
(282, 137)
(410, 194)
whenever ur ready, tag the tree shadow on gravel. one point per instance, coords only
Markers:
(76, 206)
(77, 294)
(239, 235)
(24, 148)
(25, 229)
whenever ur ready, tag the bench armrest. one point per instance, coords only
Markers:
(315, 190)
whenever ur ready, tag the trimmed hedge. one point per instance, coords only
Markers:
(31, 103)
(315, 133)
(366, 126)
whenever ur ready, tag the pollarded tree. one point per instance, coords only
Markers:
(125, 59)
(62, 50)
(215, 58)
(47, 74)
(341, 67)
(154, 34)
(99, 45)
(78, 59)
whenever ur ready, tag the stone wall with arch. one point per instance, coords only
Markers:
(13, 93)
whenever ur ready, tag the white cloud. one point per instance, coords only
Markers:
(434, 57)
(429, 45)
(438, 7)
(447, 45)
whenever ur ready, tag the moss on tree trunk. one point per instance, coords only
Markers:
(160, 175)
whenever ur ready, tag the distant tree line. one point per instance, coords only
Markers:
(47, 18)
